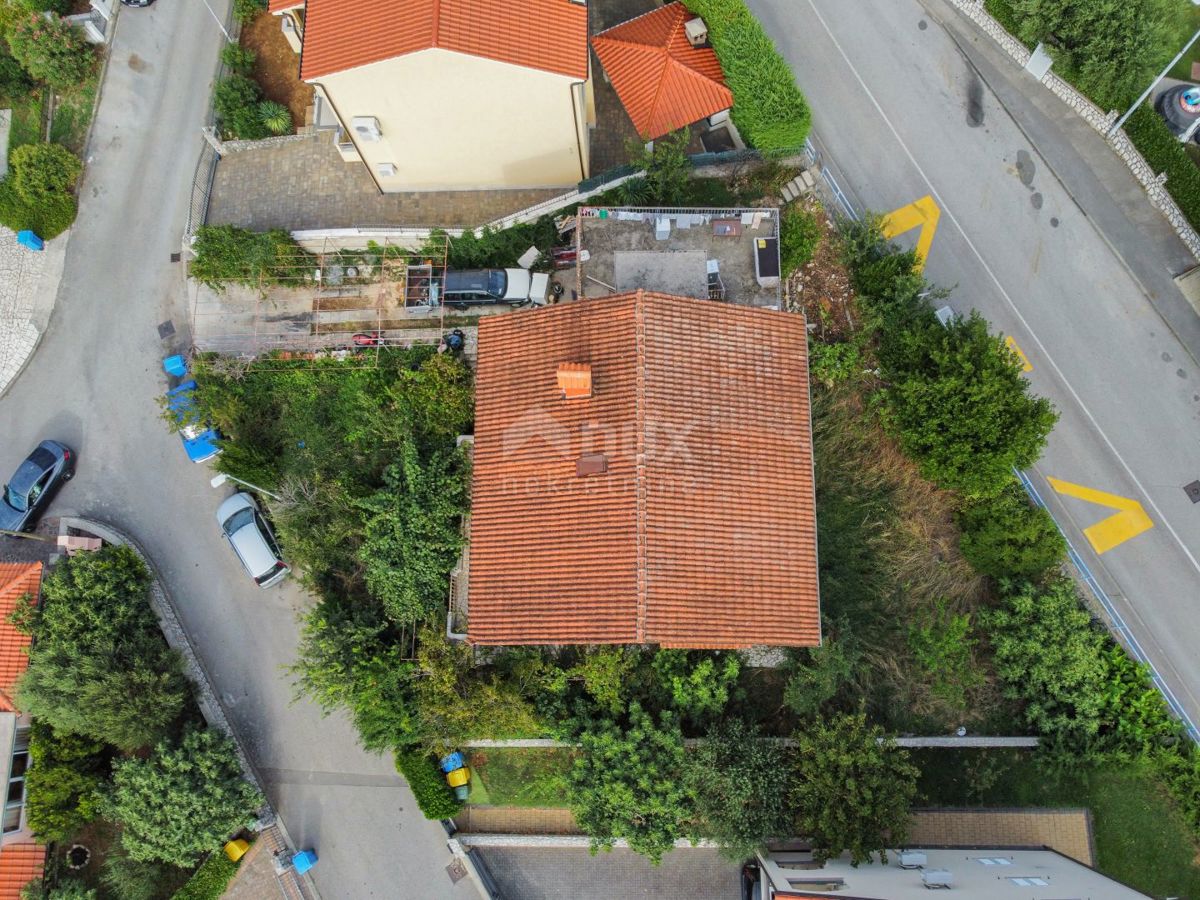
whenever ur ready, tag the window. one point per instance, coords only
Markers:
(1029, 881)
(993, 861)
(14, 801)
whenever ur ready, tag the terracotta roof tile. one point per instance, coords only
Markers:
(276, 6)
(663, 81)
(550, 35)
(20, 863)
(700, 533)
(17, 581)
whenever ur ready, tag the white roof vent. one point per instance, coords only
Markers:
(386, 170)
(912, 859)
(937, 878)
(366, 127)
(696, 31)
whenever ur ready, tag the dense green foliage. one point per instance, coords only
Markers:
(1164, 153)
(851, 791)
(64, 782)
(626, 783)
(210, 880)
(768, 108)
(698, 684)
(236, 100)
(275, 117)
(52, 50)
(183, 800)
(799, 234)
(42, 171)
(1008, 536)
(133, 879)
(99, 665)
(239, 59)
(228, 254)
(245, 11)
(738, 781)
(428, 784)
(667, 172)
(818, 675)
(47, 219)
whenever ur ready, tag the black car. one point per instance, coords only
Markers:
(137, 2)
(35, 482)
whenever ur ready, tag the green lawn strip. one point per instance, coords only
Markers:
(1141, 838)
(73, 115)
(531, 777)
(26, 119)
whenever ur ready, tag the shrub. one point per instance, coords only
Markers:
(99, 665)
(44, 171)
(47, 219)
(625, 783)
(239, 59)
(235, 101)
(428, 784)
(819, 676)
(226, 253)
(1008, 536)
(246, 11)
(667, 170)
(832, 364)
(697, 682)
(183, 800)
(210, 880)
(275, 117)
(64, 781)
(735, 777)
(940, 641)
(851, 790)
(799, 234)
(14, 80)
(1164, 153)
(131, 879)
(768, 108)
(52, 51)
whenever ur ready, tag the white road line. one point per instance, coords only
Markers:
(1007, 299)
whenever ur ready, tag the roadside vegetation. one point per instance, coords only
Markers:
(120, 758)
(48, 71)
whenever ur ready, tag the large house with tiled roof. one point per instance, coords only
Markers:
(21, 858)
(643, 473)
(450, 94)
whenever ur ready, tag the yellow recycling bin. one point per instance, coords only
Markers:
(458, 777)
(236, 849)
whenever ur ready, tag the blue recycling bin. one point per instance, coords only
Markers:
(29, 239)
(304, 860)
(175, 365)
(452, 762)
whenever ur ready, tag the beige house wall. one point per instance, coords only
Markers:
(451, 121)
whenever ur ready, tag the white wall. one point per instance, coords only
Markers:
(456, 122)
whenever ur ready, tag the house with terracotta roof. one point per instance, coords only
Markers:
(450, 94)
(664, 71)
(643, 474)
(21, 858)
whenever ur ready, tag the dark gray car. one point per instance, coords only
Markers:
(34, 484)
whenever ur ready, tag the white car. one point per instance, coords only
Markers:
(483, 287)
(250, 536)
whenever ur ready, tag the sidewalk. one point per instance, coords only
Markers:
(29, 282)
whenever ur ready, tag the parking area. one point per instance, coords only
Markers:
(719, 254)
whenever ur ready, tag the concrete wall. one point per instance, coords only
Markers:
(456, 122)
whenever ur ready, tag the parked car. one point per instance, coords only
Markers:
(252, 540)
(199, 438)
(482, 287)
(137, 2)
(34, 484)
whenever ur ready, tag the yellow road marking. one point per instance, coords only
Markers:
(1026, 365)
(1129, 521)
(923, 214)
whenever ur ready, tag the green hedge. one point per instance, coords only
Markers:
(768, 108)
(210, 880)
(434, 796)
(1164, 153)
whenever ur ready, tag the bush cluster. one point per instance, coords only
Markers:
(242, 111)
(428, 784)
(64, 784)
(52, 50)
(210, 881)
(1009, 536)
(768, 108)
(37, 194)
(799, 234)
(1164, 153)
(228, 254)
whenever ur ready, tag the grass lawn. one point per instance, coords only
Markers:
(520, 777)
(1140, 837)
(73, 114)
(26, 119)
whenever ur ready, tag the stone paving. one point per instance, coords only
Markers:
(1069, 831)
(305, 184)
(20, 307)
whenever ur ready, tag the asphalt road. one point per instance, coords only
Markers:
(94, 383)
(1047, 235)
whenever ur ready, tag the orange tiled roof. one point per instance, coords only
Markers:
(541, 34)
(20, 863)
(699, 530)
(17, 580)
(663, 81)
(277, 6)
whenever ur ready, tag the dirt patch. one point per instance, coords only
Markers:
(821, 287)
(277, 67)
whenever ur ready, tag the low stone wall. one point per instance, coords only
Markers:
(1153, 182)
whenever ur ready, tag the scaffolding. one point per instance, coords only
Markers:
(331, 303)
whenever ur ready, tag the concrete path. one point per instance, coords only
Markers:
(28, 285)
(1046, 233)
(94, 383)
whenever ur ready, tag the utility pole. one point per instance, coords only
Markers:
(1146, 93)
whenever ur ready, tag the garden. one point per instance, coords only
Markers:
(48, 78)
(134, 795)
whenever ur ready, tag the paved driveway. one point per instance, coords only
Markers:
(1046, 234)
(94, 383)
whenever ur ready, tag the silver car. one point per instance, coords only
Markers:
(251, 538)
